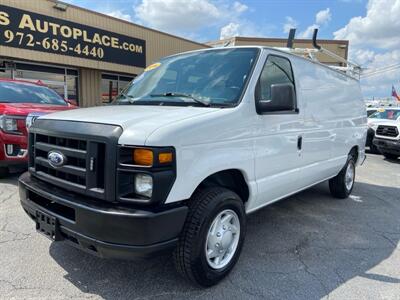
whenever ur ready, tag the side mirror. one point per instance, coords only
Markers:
(282, 99)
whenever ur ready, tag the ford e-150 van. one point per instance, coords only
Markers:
(190, 147)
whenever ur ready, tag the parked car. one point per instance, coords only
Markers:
(381, 116)
(193, 145)
(387, 139)
(18, 99)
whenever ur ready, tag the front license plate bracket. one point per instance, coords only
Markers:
(48, 226)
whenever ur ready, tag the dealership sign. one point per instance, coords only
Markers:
(23, 29)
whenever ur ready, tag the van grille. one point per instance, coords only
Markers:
(89, 151)
(385, 130)
(80, 157)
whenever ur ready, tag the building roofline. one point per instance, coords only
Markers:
(129, 23)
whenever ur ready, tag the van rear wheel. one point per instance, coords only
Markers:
(212, 236)
(342, 184)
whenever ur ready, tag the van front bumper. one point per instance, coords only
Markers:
(103, 229)
(387, 146)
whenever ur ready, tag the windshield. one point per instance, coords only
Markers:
(389, 114)
(18, 92)
(206, 78)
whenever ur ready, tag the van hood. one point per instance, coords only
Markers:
(137, 122)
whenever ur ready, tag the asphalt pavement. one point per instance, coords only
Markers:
(308, 246)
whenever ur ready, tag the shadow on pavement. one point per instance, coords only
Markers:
(303, 247)
(11, 178)
(381, 278)
(395, 161)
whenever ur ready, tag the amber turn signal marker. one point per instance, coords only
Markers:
(164, 158)
(143, 157)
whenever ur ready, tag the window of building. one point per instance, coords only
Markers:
(62, 80)
(5, 70)
(112, 85)
(72, 87)
(123, 82)
(5, 73)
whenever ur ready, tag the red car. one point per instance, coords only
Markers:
(17, 100)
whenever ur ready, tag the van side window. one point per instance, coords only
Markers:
(277, 70)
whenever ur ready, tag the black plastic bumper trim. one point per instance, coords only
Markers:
(112, 230)
(116, 251)
(388, 146)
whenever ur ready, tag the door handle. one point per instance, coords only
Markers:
(299, 142)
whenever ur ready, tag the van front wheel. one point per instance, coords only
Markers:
(342, 184)
(212, 237)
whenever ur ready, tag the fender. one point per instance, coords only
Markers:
(199, 162)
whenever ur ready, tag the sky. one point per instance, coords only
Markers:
(371, 26)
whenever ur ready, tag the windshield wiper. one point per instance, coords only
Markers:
(183, 95)
(128, 98)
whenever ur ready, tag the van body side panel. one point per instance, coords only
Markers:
(352, 128)
(333, 119)
(317, 89)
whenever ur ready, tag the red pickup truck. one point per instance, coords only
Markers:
(17, 100)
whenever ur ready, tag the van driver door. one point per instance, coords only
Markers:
(278, 142)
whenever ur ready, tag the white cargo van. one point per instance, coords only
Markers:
(193, 145)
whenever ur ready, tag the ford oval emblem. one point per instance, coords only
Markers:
(56, 159)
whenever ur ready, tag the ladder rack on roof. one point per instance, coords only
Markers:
(349, 68)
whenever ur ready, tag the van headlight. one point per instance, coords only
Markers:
(145, 174)
(144, 185)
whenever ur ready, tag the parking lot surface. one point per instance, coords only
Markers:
(308, 246)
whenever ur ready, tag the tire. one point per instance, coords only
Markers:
(390, 156)
(338, 186)
(3, 172)
(374, 149)
(205, 207)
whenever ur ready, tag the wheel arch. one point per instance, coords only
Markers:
(354, 152)
(232, 179)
